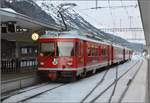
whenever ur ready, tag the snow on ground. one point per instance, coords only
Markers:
(108, 80)
(75, 92)
(24, 89)
(121, 70)
(121, 85)
(32, 87)
(137, 57)
(137, 90)
(71, 92)
(27, 94)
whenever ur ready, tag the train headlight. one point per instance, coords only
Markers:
(69, 63)
(41, 54)
(41, 63)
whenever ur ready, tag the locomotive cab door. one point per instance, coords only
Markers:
(124, 54)
(112, 54)
(79, 53)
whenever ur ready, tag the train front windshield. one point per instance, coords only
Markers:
(65, 48)
(48, 48)
(62, 49)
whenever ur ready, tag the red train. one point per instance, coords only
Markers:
(71, 55)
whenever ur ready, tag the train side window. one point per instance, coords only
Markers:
(92, 51)
(96, 51)
(104, 51)
(81, 48)
(88, 51)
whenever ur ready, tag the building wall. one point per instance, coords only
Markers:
(18, 56)
(8, 49)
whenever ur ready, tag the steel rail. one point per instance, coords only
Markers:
(101, 80)
(113, 92)
(100, 94)
(20, 91)
(129, 83)
(25, 99)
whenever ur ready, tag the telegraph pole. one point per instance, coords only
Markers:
(96, 2)
(130, 18)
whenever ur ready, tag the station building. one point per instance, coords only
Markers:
(18, 50)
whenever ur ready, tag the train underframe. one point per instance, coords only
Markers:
(58, 75)
(69, 76)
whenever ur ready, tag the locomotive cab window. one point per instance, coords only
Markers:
(48, 48)
(65, 48)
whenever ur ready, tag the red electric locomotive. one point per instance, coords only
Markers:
(71, 55)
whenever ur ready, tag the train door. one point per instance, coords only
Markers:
(112, 54)
(104, 55)
(123, 54)
(108, 54)
(100, 53)
(79, 53)
(85, 53)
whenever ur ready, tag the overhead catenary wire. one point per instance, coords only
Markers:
(113, 21)
(130, 19)
(90, 17)
(113, 92)
(112, 7)
(124, 8)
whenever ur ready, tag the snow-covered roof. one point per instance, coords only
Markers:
(71, 34)
(9, 10)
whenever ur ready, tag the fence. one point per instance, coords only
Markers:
(14, 65)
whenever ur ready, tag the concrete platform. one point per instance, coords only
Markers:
(15, 81)
(9, 76)
(137, 90)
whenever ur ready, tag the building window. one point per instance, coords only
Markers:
(30, 50)
(35, 51)
(24, 51)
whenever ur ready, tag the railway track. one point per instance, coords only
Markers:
(24, 98)
(101, 80)
(109, 86)
(128, 84)
(114, 86)
(100, 94)
(27, 97)
(22, 91)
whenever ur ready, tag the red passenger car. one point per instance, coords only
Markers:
(70, 55)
